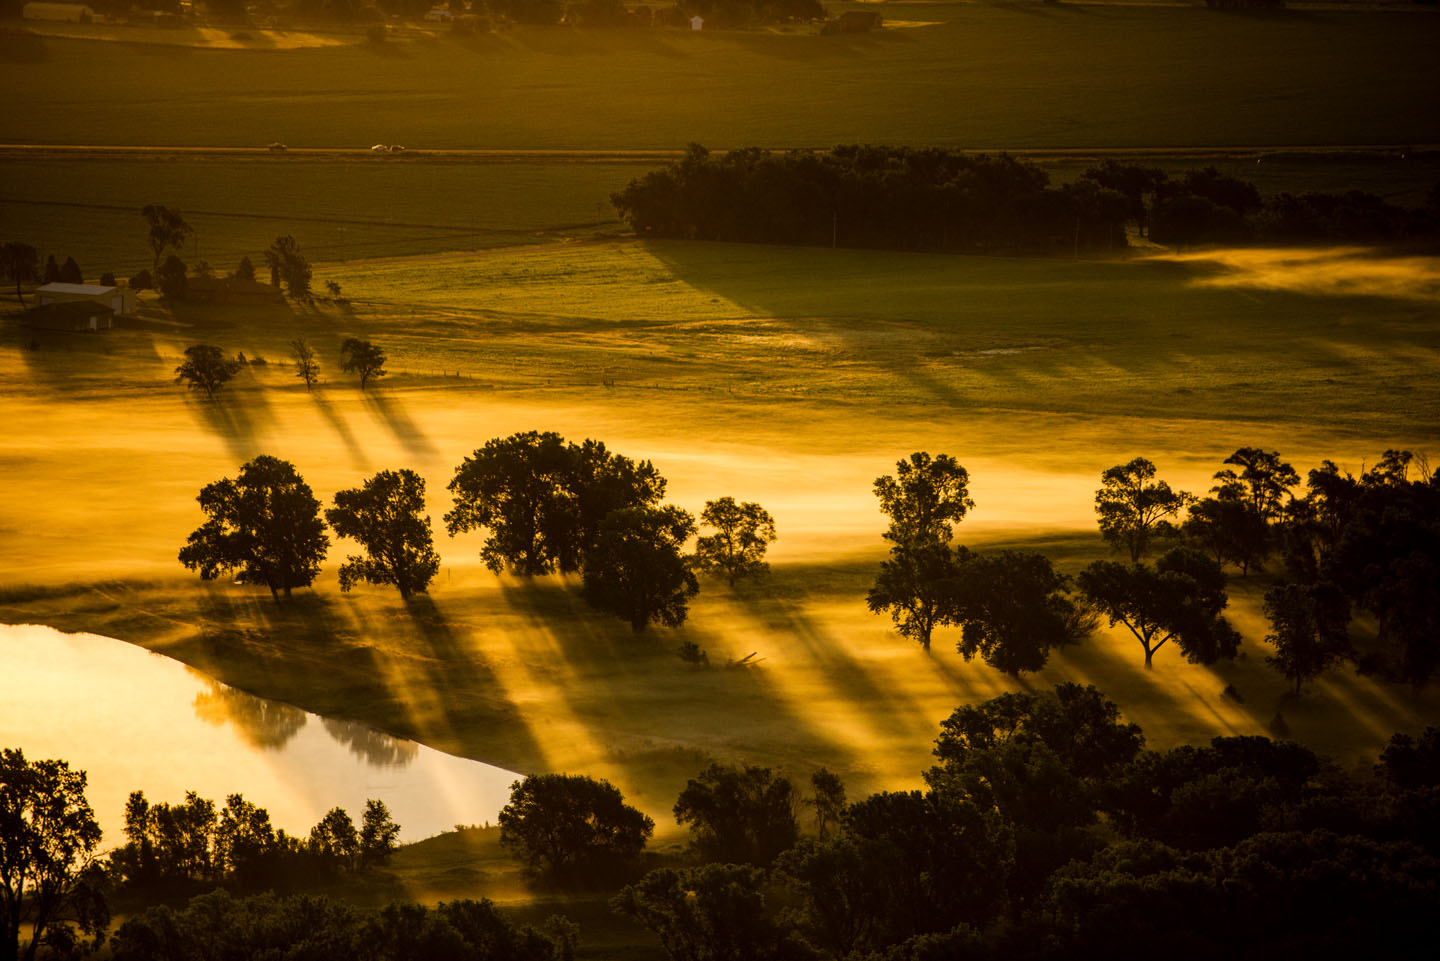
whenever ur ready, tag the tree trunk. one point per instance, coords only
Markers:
(1148, 655)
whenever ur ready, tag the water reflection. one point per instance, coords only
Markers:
(268, 725)
(376, 748)
(139, 721)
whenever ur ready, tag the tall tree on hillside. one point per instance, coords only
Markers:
(362, 357)
(737, 548)
(1133, 510)
(48, 842)
(265, 525)
(19, 262)
(51, 274)
(167, 231)
(1178, 599)
(385, 517)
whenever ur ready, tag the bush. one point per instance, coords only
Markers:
(566, 825)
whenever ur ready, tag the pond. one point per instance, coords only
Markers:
(135, 720)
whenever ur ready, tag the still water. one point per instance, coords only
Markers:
(133, 720)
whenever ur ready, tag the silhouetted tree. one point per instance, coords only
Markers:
(265, 525)
(1132, 510)
(70, 272)
(1309, 629)
(378, 834)
(1178, 599)
(307, 367)
(711, 913)
(923, 499)
(107, 279)
(363, 358)
(19, 262)
(48, 840)
(206, 368)
(737, 548)
(385, 517)
(171, 278)
(917, 586)
(335, 840)
(142, 281)
(51, 273)
(245, 270)
(563, 824)
(287, 263)
(637, 571)
(167, 230)
(1230, 530)
(1263, 481)
(827, 797)
(742, 815)
(1013, 608)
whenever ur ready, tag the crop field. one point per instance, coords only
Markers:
(714, 361)
(987, 77)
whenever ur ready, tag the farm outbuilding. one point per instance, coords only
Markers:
(67, 12)
(69, 316)
(120, 300)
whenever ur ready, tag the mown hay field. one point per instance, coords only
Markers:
(792, 377)
(987, 77)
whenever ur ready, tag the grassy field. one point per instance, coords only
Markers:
(988, 76)
(734, 379)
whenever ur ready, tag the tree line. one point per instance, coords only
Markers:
(1045, 830)
(939, 199)
(546, 504)
(1348, 545)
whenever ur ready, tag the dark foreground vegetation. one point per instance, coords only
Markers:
(938, 199)
(1045, 830)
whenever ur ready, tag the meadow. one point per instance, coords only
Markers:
(735, 379)
(1008, 76)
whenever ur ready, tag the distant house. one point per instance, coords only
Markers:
(120, 300)
(231, 290)
(69, 315)
(697, 23)
(69, 12)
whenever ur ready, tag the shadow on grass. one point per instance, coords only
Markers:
(238, 417)
(341, 428)
(391, 411)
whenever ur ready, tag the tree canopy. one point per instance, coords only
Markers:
(49, 838)
(363, 358)
(565, 825)
(207, 369)
(384, 515)
(20, 262)
(1013, 608)
(166, 230)
(265, 526)
(637, 568)
(745, 815)
(1133, 510)
(737, 548)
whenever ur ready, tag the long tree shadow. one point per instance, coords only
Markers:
(341, 428)
(239, 417)
(391, 411)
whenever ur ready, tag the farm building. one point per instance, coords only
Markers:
(231, 290)
(70, 12)
(120, 300)
(70, 315)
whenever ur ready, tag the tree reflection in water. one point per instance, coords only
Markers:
(265, 724)
(376, 748)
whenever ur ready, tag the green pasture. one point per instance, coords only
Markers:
(989, 76)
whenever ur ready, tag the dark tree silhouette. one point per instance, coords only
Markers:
(245, 270)
(923, 499)
(48, 840)
(385, 517)
(19, 262)
(917, 586)
(1013, 608)
(378, 834)
(637, 571)
(51, 273)
(737, 548)
(1178, 599)
(1230, 530)
(1263, 481)
(1132, 510)
(561, 824)
(171, 278)
(1308, 625)
(363, 358)
(742, 815)
(543, 500)
(827, 797)
(70, 272)
(167, 230)
(711, 913)
(206, 368)
(287, 263)
(307, 367)
(265, 525)
(335, 841)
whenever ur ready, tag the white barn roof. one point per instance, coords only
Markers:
(81, 290)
